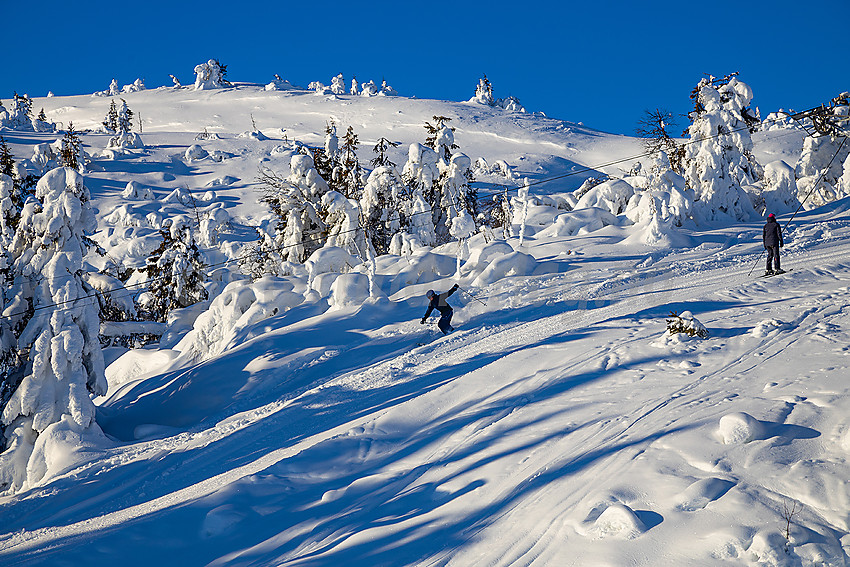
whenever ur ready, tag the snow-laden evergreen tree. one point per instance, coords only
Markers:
(719, 161)
(352, 173)
(19, 116)
(387, 90)
(114, 89)
(814, 167)
(71, 153)
(355, 89)
(57, 328)
(421, 173)
(42, 124)
(484, 92)
(211, 75)
(386, 206)
(175, 272)
(298, 228)
(110, 121)
(342, 219)
(665, 203)
(369, 89)
(459, 198)
(125, 137)
(338, 85)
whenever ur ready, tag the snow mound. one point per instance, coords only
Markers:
(136, 363)
(241, 304)
(136, 190)
(764, 328)
(195, 152)
(349, 290)
(254, 135)
(612, 196)
(513, 264)
(579, 221)
(739, 427)
(223, 181)
(698, 495)
(330, 259)
(616, 521)
(62, 446)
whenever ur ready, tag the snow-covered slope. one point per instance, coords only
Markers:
(557, 426)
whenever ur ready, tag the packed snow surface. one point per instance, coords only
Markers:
(311, 420)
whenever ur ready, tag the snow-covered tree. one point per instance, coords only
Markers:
(822, 163)
(19, 116)
(385, 206)
(351, 182)
(484, 92)
(110, 121)
(298, 228)
(369, 89)
(355, 89)
(719, 161)
(57, 324)
(381, 159)
(211, 75)
(175, 272)
(342, 219)
(71, 152)
(387, 90)
(338, 85)
(420, 173)
(125, 137)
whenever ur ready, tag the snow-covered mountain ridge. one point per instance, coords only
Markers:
(558, 425)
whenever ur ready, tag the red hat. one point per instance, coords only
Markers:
(771, 216)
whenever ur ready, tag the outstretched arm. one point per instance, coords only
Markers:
(428, 312)
(452, 290)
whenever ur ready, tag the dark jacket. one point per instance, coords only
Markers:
(438, 302)
(772, 234)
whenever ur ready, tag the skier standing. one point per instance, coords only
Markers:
(772, 237)
(438, 301)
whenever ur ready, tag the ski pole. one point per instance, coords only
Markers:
(472, 296)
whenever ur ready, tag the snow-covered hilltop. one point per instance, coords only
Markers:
(619, 389)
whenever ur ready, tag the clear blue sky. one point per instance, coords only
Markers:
(599, 62)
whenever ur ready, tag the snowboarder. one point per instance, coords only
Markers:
(438, 301)
(772, 236)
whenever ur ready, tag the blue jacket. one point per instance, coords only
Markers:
(772, 234)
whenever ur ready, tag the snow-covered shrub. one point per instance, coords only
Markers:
(687, 324)
(195, 152)
(719, 161)
(484, 95)
(387, 90)
(369, 89)
(137, 191)
(136, 86)
(116, 304)
(215, 220)
(330, 259)
(612, 196)
(65, 360)
(210, 75)
(179, 196)
(279, 84)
